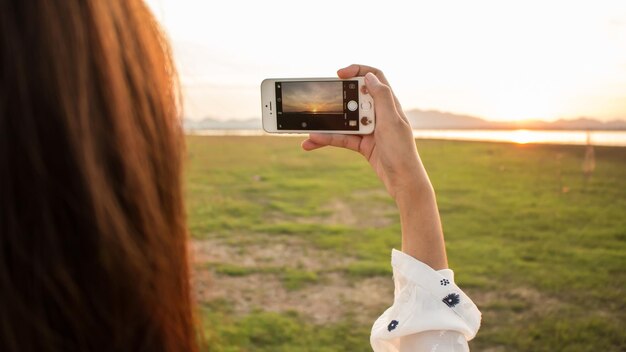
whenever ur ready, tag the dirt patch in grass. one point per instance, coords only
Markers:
(327, 302)
(359, 216)
(351, 213)
(516, 301)
(332, 297)
(257, 250)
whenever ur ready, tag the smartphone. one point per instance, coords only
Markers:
(319, 105)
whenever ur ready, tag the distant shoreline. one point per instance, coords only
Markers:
(611, 138)
(438, 120)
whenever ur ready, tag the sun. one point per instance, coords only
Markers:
(522, 136)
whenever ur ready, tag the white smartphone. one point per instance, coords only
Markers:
(319, 105)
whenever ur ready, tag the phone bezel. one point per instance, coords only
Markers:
(268, 99)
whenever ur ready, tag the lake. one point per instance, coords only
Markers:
(600, 138)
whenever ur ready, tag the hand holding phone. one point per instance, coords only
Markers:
(320, 105)
(391, 149)
(392, 153)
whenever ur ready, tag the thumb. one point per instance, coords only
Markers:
(384, 103)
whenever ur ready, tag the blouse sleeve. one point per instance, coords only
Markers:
(429, 312)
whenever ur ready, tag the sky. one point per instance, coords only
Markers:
(500, 60)
(312, 97)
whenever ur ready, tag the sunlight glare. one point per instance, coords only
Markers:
(522, 136)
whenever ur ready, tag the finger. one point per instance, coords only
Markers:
(319, 140)
(384, 102)
(348, 72)
(309, 145)
(356, 70)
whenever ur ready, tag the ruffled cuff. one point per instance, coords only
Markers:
(424, 300)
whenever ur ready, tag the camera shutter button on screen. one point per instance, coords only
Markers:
(352, 105)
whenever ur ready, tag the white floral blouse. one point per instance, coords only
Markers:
(429, 313)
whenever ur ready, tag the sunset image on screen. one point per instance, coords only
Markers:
(312, 97)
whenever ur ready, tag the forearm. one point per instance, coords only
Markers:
(422, 235)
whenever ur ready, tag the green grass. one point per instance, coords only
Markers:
(291, 278)
(369, 269)
(272, 332)
(294, 279)
(233, 270)
(541, 249)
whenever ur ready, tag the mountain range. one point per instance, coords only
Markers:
(433, 119)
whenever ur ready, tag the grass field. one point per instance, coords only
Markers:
(292, 249)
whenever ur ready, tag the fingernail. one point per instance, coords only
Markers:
(370, 78)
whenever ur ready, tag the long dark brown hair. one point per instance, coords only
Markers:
(93, 252)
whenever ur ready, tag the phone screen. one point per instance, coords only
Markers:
(317, 105)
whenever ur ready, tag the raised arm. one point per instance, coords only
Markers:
(392, 153)
(430, 312)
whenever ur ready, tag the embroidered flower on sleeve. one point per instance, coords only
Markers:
(451, 300)
(444, 282)
(392, 325)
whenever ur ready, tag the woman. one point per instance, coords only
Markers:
(93, 244)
